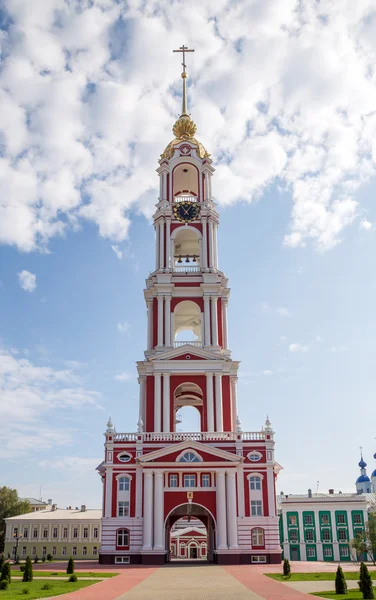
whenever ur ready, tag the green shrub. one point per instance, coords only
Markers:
(28, 573)
(341, 585)
(43, 559)
(49, 557)
(73, 578)
(286, 567)
(6, 572)
(367, 586)
(361, 573)
(25, 591)
(46, 586)
(22, 568)
(70, 567)
(36, 559)
(4, 584)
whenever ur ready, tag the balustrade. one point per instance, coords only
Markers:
(194, 436)
(186, 198)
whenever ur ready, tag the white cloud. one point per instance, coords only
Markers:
(31, 395)
(118, 252)
(28, 281)
(319, 338)
(296, 347)
(267, 372)
(367, 225)
(123, 377)
(77, 464)
(283, 312)
(338, 349)
(123, 327)
(281, 92)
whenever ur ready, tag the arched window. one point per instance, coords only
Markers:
(189, 457)
(257, 537)
(122, 537)
(124, 484)
(255, 482)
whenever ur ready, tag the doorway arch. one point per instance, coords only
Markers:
(199, 512)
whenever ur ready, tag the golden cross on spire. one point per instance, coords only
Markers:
(184, 49)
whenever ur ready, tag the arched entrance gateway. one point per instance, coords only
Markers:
(194, 548)
(165, 471)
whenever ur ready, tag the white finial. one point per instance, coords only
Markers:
(238, 425)
(140, 425)
(110, 427)
(268, 425)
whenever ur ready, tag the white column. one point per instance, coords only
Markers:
(157, 402)
(148, 511)
(161, 243)
(232, 522)
(161, 187)
(172, 327)
(167, 321)
(271, 491)
(224, 323)
(202, 329)
(160, 320)
(142, 407)
(150, 324)
(204, 257)
(214, 320)
(156, 225)
(168, 243)
(240, 482)
(215, 246)
(207, 319)
(218, 402)
(164, 186)
(209, 402)
(166, 402)
(211, 244)
(209, 184)
(221, 512)
(234, 402)
(108, 505)
(138, 492)
(158, 511)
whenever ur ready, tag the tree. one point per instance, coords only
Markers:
(6, 572)
(367, 586)
(10, 506)
(341, 585)
(70, 567)
(361, 576)
(28, 572)
(365, 542)
(286, 567)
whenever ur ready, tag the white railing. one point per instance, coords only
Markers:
(195, 343)
(194, 436)
(186, 269)
(186, 198)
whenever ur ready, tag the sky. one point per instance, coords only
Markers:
(283, 94)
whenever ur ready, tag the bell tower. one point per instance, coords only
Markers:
(219, 474)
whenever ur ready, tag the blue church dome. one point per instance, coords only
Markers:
(374, 473)
(362, 464)
(374, 456)
(363, 479)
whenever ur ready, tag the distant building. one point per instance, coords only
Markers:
(35, 504)
(321, 526)
(56, 531)
(189, 543)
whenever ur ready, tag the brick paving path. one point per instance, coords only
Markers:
(318, 586)
(253, 578)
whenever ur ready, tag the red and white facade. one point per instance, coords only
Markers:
(219, 474)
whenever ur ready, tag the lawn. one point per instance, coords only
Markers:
(17, 573)
(14, 592)
(353, 576)
(351, 595)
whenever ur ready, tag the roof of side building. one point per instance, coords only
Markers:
(58, 514)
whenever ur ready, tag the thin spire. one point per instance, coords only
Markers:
(184, 75)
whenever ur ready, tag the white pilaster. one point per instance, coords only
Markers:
(148, 511)
(172, 328)
(271, 492)
(202, 329)
(150, 324)
(209, 401)
(211, 244)
(160, 320)
(218, 402)
(207, 319)
(157, 232)
(139, 492)
(204, 257)
(224, 323)
(232, 523)
(221, 512)
(234, 402)
(167, 321)
(161, 243)
(168, 243)
(215, 246)
(142, 407)
(157, 402)
(214, 320)
(240, 482)
(166, 402)
(158, 511)
(108, 510)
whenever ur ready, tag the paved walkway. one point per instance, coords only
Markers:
(318, 586)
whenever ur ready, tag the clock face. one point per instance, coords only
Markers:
(186, 211)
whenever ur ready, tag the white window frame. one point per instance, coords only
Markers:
(124, 483)
(254, 481)
(189, 451)
(75, 533)
(84, 551)
(95, 550)
(74, 551)
(258, 559)
(95, 532)
(44, 551)
(258, 508)
(23, 553)
(65, 532)
(358, 516)
(293, 533)
(206, 477)
(254, 456)
(64, 551)
(85, 533)
(324, 532)
(53, 550)
(173, 477)
(125, 560)
(55, 529)
(341, 533)
(341, 516)
(34, 551)
(124, 455)
(344, 551)
(308, 533)
(259, 534)
(328, 552)
(122, 544)
(311, 553)
(123, 507)
(309, 522)
(191, 477)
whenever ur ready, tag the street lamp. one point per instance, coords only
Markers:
(17, 538)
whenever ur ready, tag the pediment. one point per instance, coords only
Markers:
(170, 452)
(182, 352)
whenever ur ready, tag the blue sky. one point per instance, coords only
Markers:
(295, 187)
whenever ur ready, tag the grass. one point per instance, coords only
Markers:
(37, 573)
(351, 595)
(352, 576)
(14, 592)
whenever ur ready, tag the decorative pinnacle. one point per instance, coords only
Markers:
(140, 425)
(184, 75)
(110, 426)
(238, 424)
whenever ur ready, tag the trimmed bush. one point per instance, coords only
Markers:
(70, 567)
(22, 568)
(25, 591)
(43, 559)
(73, 578)
(341, 585)
(6, 572)
(28, 573)
(286, 567)
(49, 557)
(4, 584)
(36, 559)
(46, 586)
(361, 574)
(367, 586)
